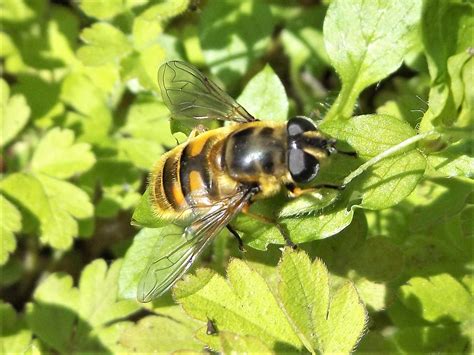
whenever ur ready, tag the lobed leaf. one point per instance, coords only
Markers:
(329, 325)
(104, 43)
(303, 314)
(437, 297)
(244, 305)
(58, 156)
(55, 204)
(81, 319)
(14, 114)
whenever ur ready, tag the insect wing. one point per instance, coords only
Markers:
(177, 252)
(189, 94)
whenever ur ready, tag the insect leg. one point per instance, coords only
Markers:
(267, 220)
(197, 131)
(296, 191)
(237, 236)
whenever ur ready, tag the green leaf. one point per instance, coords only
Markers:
(455, 160)
(140, 152)
(68, 318)
(58, 156)
(165, 10)
(14, 114)
(104, 44)
(393, 179)
(447, 35)
(238, 344)
(437, 297)
(107, 9)
(329, 325)
(265, 97)
(243, 305)
(15, 337)
(148, 245)
(17, 11)
(119, 181)
(144, 215)
(302, 228)
(437, 200)
(231, 39)
(145, 31)
(142, 65)
(55, 204)
(369, 135)
(366, 41)
(378, 259)
(162, 334)
(429, 339)
(85, 97)
(149, 119)
(11, 223)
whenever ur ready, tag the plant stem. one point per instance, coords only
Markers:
(389, 152)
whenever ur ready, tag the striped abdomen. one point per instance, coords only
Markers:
(191, 176)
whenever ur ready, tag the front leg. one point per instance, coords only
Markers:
(297, 191)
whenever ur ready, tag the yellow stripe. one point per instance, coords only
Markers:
(197, 144)
(195, 181)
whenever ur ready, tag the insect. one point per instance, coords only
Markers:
(206, 181)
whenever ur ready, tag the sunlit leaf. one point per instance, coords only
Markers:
(438, 296)
(264, 96)
(329, 324)
(59, 309)
(11, 223)
(54, 203)
(366, 41)
(57, 155)
(104, 44)
(14, 114)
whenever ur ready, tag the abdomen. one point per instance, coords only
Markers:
(190, 178)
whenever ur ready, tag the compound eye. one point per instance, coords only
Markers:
(303, 166)
(298, 125)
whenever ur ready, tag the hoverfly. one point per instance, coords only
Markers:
(206, 181)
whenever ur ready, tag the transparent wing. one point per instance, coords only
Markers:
(189, 94)
(177, 252)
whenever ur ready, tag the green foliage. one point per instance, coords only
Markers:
(245, 305)
(385, 264)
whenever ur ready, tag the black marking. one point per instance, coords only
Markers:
(168, 180)
(268, 166)
(244, 133)
(266, 131)
(198, 163)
